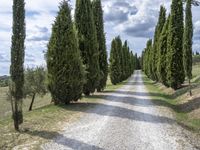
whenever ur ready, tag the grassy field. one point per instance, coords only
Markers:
(185, 107)
(196, 73)
(43, 123)
(5, 106)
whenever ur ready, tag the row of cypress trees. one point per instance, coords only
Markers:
(168, 58)
(122, 61)
(76, 56)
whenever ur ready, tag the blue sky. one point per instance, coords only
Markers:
(133, 20)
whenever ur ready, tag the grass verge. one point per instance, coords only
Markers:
(185, 108)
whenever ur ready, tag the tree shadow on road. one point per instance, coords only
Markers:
(192, 105)
(138, 93)
(120, 112)
(61, 139)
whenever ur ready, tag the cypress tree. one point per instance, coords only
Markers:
(126, 59)
(132, 63)
(103, 64)
(17, 61)
(115, 70)
(129, 63)
(154, 54)
(124, 50)
(137, 62)
(88, 45)
(162, 62)
(175, 70)
(142, 60)
(187, 42)
(121, 57)
(148, 58)
(65, 68)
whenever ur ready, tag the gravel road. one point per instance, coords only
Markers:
(124, 120)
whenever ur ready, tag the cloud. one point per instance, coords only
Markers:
(38, 34)
(143, 28)
(197, 30)
(32, 14)
(142, 24)
(118, 12)
(4, 58)
(29, 58)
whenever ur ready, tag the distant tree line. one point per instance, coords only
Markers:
(168, 57)
(122, 61)
(196, 59)
(4, 81)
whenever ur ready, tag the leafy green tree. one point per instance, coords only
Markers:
(175, 70)
(35, 83)
(154, 54)
(115, 70)
(162, 62)
(4, 81)
(88, 44)
(17, 61)
(66, 74)
(187, 42)
(103, 63)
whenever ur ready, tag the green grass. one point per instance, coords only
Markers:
(196, 73)
(161, 97)
(5, 106)
(44, 122)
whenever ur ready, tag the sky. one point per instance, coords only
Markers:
(133, 20)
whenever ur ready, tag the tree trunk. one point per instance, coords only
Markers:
(190, 88)
(99, 90)
(15, 116)
(32, 101)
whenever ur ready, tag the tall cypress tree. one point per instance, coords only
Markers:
(142, 60)
(121, 57)
(162, 62)
(129, 63)
(88, 45)
(65, 68)
(133, 64)
(148, 58)
(103, 63)
(17, 61)
(187, 43)
(126, 59)
(175, 70)
(158, 30)
(115, 70)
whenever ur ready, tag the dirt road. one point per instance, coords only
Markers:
(124, 120)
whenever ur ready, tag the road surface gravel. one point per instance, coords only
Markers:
(125, 119)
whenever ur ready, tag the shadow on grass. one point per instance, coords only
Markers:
(190, 106)
(62, 140)
(183, 90)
